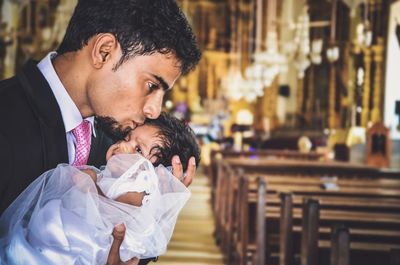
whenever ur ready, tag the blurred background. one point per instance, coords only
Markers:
(317, 77)
(272, 71)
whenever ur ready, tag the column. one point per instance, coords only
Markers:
(367, 87)
(376, 114)
(333, 119)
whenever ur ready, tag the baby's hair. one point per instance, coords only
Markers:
(177, 138)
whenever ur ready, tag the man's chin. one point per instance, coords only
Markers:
(112, 129)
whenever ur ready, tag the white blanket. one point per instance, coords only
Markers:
(61, 219)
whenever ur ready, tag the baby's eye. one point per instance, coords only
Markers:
(138, 150)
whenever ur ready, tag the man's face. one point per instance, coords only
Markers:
(122, 99)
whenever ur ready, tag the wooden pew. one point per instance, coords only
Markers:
(222, 203)
(248, 230)
(217, 155)
(340, 235)
(340, 246)
(395, 256)
(378, 231)
(385, 192)
(309, 232)
(285, 229)
(274, 154)
(304, 167)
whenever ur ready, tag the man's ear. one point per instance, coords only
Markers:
(105, 49)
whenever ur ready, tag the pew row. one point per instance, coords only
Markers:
(369, 209)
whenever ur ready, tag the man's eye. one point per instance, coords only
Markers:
(138, 150)
(152, 86)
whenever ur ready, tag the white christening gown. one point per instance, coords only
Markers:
(61, 219)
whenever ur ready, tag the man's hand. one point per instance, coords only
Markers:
(177, 170)
(113, 256)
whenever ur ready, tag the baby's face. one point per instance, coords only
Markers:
(140, 141)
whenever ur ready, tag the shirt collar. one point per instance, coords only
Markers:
(69, 111)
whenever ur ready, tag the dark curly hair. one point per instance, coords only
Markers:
(142, 27)
(178, 139)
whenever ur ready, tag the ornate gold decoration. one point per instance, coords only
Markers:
(367, 86)
(333, 119)
(376, 114)
(332, 54)
(310, 103)
(300, 95)
(269, 102)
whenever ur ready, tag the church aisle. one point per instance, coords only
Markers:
(192, 242)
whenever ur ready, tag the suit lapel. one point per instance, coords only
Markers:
(45, 107)
(99, 147)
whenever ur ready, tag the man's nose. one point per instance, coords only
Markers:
(152, 107)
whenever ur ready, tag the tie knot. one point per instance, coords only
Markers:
(82, 134)
(82, 130)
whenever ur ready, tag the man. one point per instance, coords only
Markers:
(115, 63)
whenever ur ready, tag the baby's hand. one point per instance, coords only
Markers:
(132, 198)
(93, 176)
(120, 147)
(91, 173)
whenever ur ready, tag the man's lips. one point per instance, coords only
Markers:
(135, 125)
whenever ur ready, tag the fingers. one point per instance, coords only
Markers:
(133, 261)
(177, 169)
(125, 148)
(121, 147)
(111, 151)
(191, 170)
(118, 235)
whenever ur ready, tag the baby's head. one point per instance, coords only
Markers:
(159, 140)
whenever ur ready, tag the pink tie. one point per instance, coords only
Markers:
(83, 138)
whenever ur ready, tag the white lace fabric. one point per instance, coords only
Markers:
(61, 219)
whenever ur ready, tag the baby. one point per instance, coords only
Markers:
(64, 218)
(158, 141)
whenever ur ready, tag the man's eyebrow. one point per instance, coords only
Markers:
(164, 84)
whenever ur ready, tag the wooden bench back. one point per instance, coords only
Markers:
(372, 195)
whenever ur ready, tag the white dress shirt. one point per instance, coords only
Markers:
(69, 111)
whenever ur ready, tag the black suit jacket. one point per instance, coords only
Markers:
(32, 133)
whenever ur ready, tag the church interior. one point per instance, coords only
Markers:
(296, 107)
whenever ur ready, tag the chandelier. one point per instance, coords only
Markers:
(266, 64)
(233, 83)
(302, 42)
(363, 30)
(353, 4)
